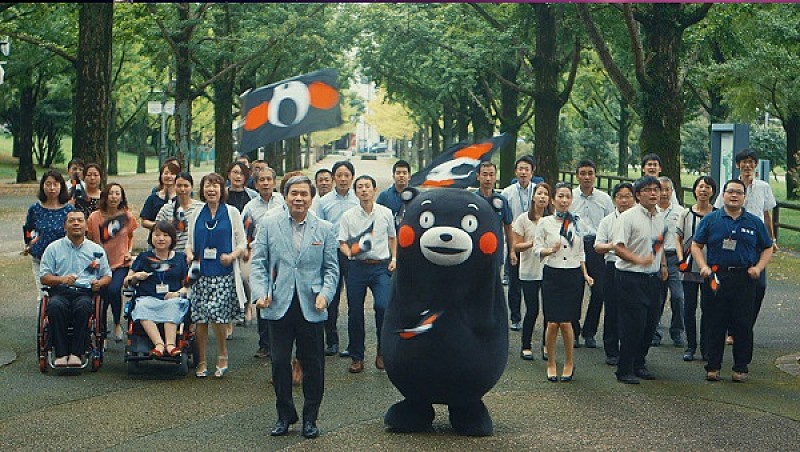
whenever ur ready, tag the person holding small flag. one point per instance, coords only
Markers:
(557, 242)
(180, 209)
(739, 249)
(112, 226)
(638, 239)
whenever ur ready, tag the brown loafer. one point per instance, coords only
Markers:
(739, 377)
(379, 362)
(356, 367)
(712, 375)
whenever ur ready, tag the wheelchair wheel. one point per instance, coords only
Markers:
(96, 361)
(42, 337)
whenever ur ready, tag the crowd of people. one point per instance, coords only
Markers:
(245, 250)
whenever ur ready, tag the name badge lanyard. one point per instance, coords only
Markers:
(522, 199)
(210, 253)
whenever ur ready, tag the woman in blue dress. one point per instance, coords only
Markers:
(160, 296)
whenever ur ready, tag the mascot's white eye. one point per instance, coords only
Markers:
(469, 223)
(427, 219)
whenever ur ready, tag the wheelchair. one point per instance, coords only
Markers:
(93, 358)
(138, 345)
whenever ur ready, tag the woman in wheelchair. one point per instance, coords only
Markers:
(160, 298)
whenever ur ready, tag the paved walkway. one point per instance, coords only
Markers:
(109, 410)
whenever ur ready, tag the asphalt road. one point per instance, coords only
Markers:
(109, 410)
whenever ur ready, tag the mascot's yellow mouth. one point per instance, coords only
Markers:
(425, 325)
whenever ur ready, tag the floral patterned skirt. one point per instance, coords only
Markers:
(214, 300)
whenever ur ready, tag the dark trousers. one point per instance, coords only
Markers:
(112, 296)
(731, 306)
(761, 290)
(690, 292)
(611, 312)
(331, 331)
(263, 331)
(596, 267)
(514, 291)
(69, 306)
(361, 276)
(530, 291)
(639, 304)
(310, 351)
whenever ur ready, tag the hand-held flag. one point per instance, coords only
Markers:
(457, 167)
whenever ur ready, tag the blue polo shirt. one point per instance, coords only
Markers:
(391, 198)
(747, 230)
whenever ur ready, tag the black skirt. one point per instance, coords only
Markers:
(562, 293)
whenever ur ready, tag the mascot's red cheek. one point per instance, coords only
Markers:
(405, 236)
(488, 243)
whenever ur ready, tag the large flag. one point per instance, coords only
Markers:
(457, 167)
(289, 108)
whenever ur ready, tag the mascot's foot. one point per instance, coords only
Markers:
(471, 420)
(405, 417)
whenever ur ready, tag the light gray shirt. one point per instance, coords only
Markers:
(590, 210)
(355, 224)
(637, 230)
(257, 208)
(671, 215)
(88, 261)
(519, 199)
(333, 205)
(604, 232)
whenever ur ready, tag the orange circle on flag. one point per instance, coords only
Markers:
(322, 96)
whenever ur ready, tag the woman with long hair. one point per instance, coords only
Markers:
(563, 276)
(164, 194)
(530, 264)
(112, 226)
(44, 222)
(215, 243)
(704, 189)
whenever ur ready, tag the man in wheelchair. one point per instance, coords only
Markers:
(73, 268)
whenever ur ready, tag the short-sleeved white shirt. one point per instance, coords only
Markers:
(671, 215)
(604, 234)
(356, 221)
(590, 210)
(548, 233)
(530, 263)
(637, 230)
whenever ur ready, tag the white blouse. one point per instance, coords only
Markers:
(530, 263)
(548, 234)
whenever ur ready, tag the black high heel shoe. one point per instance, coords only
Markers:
(568, 378)
(552, 379)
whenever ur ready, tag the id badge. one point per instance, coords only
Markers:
(729, 244)
(162, 288)
(210, 253)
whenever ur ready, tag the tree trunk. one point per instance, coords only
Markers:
(448, 127)
(661, 96)
(26, 171)
(294, 154)
(93, 88)
(623, 129)
(223, 119)
(792, 127)
(113, 142)
(547, 105)
(273, 156)
(436, 143)
(509, 123)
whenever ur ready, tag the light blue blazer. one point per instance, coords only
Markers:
(278, 270)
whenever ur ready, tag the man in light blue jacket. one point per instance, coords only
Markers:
(294, 276)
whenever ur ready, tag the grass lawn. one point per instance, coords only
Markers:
(126, 162)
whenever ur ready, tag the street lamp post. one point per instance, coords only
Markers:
(163, 108)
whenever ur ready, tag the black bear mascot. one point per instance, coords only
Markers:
(445, 334)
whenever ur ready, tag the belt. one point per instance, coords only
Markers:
(373, 261)
(671, 252)
(589, 238)
(640, 274)
(732, 269)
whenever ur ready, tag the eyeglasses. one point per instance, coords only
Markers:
(651, 190)
(623, 196)
(734, 192)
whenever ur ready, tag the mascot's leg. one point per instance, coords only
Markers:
(471, 419)
(408, 417)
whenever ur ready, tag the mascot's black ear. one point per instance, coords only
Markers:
(497, 202)
(408, 194)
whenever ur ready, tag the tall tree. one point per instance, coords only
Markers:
(656, 55)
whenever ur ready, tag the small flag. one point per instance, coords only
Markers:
(425, 325)
(714, 279)
(362, 242)
(94, 265)
(159, 266)
(686, 264)
(111, 227)
(290, 108)
(30, 235)
(457, 167)
(179, 218)
(249, 228)
(78, 191)
(565, 231)
(658, 243)
(193, 274)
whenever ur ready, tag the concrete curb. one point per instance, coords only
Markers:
(789, 364)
